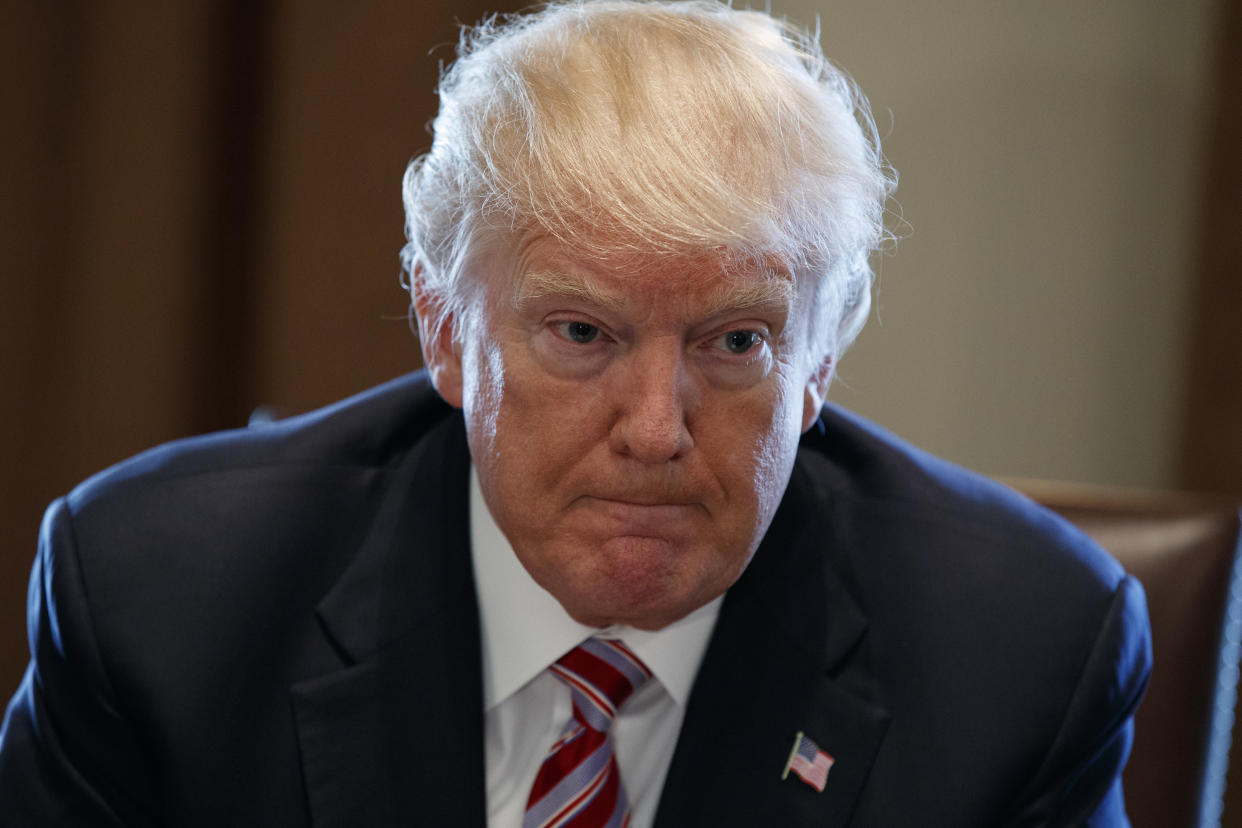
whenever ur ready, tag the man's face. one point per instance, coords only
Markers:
(633, 428)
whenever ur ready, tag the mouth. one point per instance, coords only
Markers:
(639, 516)
(642, 500)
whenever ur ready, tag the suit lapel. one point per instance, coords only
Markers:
(396, 736)
(787, 655)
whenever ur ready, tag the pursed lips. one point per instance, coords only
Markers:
(639, 515)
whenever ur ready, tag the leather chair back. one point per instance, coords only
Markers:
(1185, 551)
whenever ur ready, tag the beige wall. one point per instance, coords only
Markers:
(1031, 322)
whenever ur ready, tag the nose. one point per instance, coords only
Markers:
(656, 397)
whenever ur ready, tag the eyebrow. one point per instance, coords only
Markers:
(775, 288)
(540, 284)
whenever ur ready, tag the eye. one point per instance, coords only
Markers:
(580, 332)
(739, 342)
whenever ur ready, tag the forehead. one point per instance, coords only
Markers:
(710, 281)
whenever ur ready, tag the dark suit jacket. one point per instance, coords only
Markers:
(277, 626)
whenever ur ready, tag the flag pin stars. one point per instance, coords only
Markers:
(809, 762)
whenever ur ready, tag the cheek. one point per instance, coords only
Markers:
(483, 387)
(774, 449)
(548, 414)
(526, 429)
(774, 461)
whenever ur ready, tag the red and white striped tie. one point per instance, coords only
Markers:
(578, 784)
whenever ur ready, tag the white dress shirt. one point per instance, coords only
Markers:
(524, 630)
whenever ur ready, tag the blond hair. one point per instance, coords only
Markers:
(628, 128)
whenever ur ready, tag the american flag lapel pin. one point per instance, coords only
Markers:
(809, 762)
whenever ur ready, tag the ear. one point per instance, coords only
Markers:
(816, 392)
(441, 354)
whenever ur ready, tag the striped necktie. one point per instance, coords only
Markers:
(579, 785)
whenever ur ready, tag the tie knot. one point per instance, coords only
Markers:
(602, 674)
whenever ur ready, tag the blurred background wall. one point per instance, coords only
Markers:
(199, 213)
(1035, 321)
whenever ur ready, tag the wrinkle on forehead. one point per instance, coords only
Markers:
(760, 287)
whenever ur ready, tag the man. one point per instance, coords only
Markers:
(643, 575)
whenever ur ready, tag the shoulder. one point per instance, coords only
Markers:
(994, 629)
(929, 512)
(224, 522)
(370, 430)
(176, 594)
(961, 578)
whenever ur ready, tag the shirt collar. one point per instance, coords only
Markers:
(525, 629)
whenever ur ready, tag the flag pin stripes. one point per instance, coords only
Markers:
(809, 762)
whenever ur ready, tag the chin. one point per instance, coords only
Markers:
(644, 617)
(641, 582)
